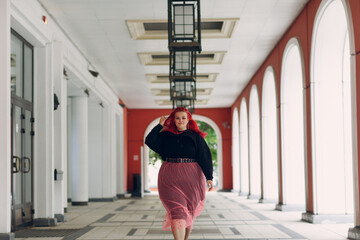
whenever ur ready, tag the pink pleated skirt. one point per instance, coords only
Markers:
(182, 192)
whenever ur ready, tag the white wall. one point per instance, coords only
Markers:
(25, 20)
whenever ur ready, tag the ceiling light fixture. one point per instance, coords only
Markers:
(184, 42)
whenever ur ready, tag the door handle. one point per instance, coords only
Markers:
(16, 165)
(29, 162)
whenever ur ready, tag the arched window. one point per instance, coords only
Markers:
(331, 111)
(235, 151)
(254, 144)
(292, 127)
(269, 137)
(244, 149)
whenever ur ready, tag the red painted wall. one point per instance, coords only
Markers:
(139, 119)
(301, 29)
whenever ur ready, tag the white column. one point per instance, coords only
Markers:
(69, 150)
(44, 137)
(95, 151)
(5, 102)
(120, 155)
(79, 151)
(60, 132)
(113, 153)
(109, 165)
(102, 165)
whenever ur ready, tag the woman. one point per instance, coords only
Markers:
(187, 162)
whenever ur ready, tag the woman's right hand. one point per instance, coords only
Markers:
(162, 120)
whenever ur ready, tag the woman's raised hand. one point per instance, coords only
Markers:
(162, 120)
(209, 184)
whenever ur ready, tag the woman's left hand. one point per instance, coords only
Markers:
(209, 183)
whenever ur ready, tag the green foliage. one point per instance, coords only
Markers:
(153, 157)
(210, 139)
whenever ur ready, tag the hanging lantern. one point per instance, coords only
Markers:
(189, 104)
(182, 88)
(183, 30)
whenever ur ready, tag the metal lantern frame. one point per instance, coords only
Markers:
(187, 103)
(182, 63)
(182, 72)
(184, 38)
(182, 88)
(184, 32)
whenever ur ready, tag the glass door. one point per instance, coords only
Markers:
(22, 133)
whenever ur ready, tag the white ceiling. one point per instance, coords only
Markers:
(99, 30)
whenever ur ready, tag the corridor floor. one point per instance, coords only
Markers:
(225, 216)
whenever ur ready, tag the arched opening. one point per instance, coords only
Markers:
(235, 151)
(331, 111)
(244, 149)
(269, 137)
(254, 144)
(211, 141)
(292, 127)
(150, 170)
(150, 167)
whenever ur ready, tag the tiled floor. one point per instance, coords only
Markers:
(226, 216)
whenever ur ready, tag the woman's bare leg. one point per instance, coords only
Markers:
(187, 233)
(179, 234)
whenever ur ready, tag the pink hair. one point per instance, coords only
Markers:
(169, 124)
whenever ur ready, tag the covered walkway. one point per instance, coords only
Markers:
(82, 82)
(226, 216)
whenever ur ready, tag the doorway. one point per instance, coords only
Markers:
(22, 132)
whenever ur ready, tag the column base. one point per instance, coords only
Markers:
(354, 233)
(290, 207)
(326, 218)
(262, 200)
(7, 236)
(111, 199)
(224, 190)
(60, 217)
(79, 203)
(45, 222)
(253, 196)
(124, 195)
(243, 193)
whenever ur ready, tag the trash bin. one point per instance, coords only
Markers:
(136, 185)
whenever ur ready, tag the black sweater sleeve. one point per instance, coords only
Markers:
(204, 158)
(153, 139)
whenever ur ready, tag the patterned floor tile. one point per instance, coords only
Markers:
(225, 216)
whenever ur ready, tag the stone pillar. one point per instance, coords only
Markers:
(109, 164)
(5, 102)
(95, 164)
(79, 151)
(44, 138)
(120, 192)
(102, 165)
(60, 134)
(69, 151)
